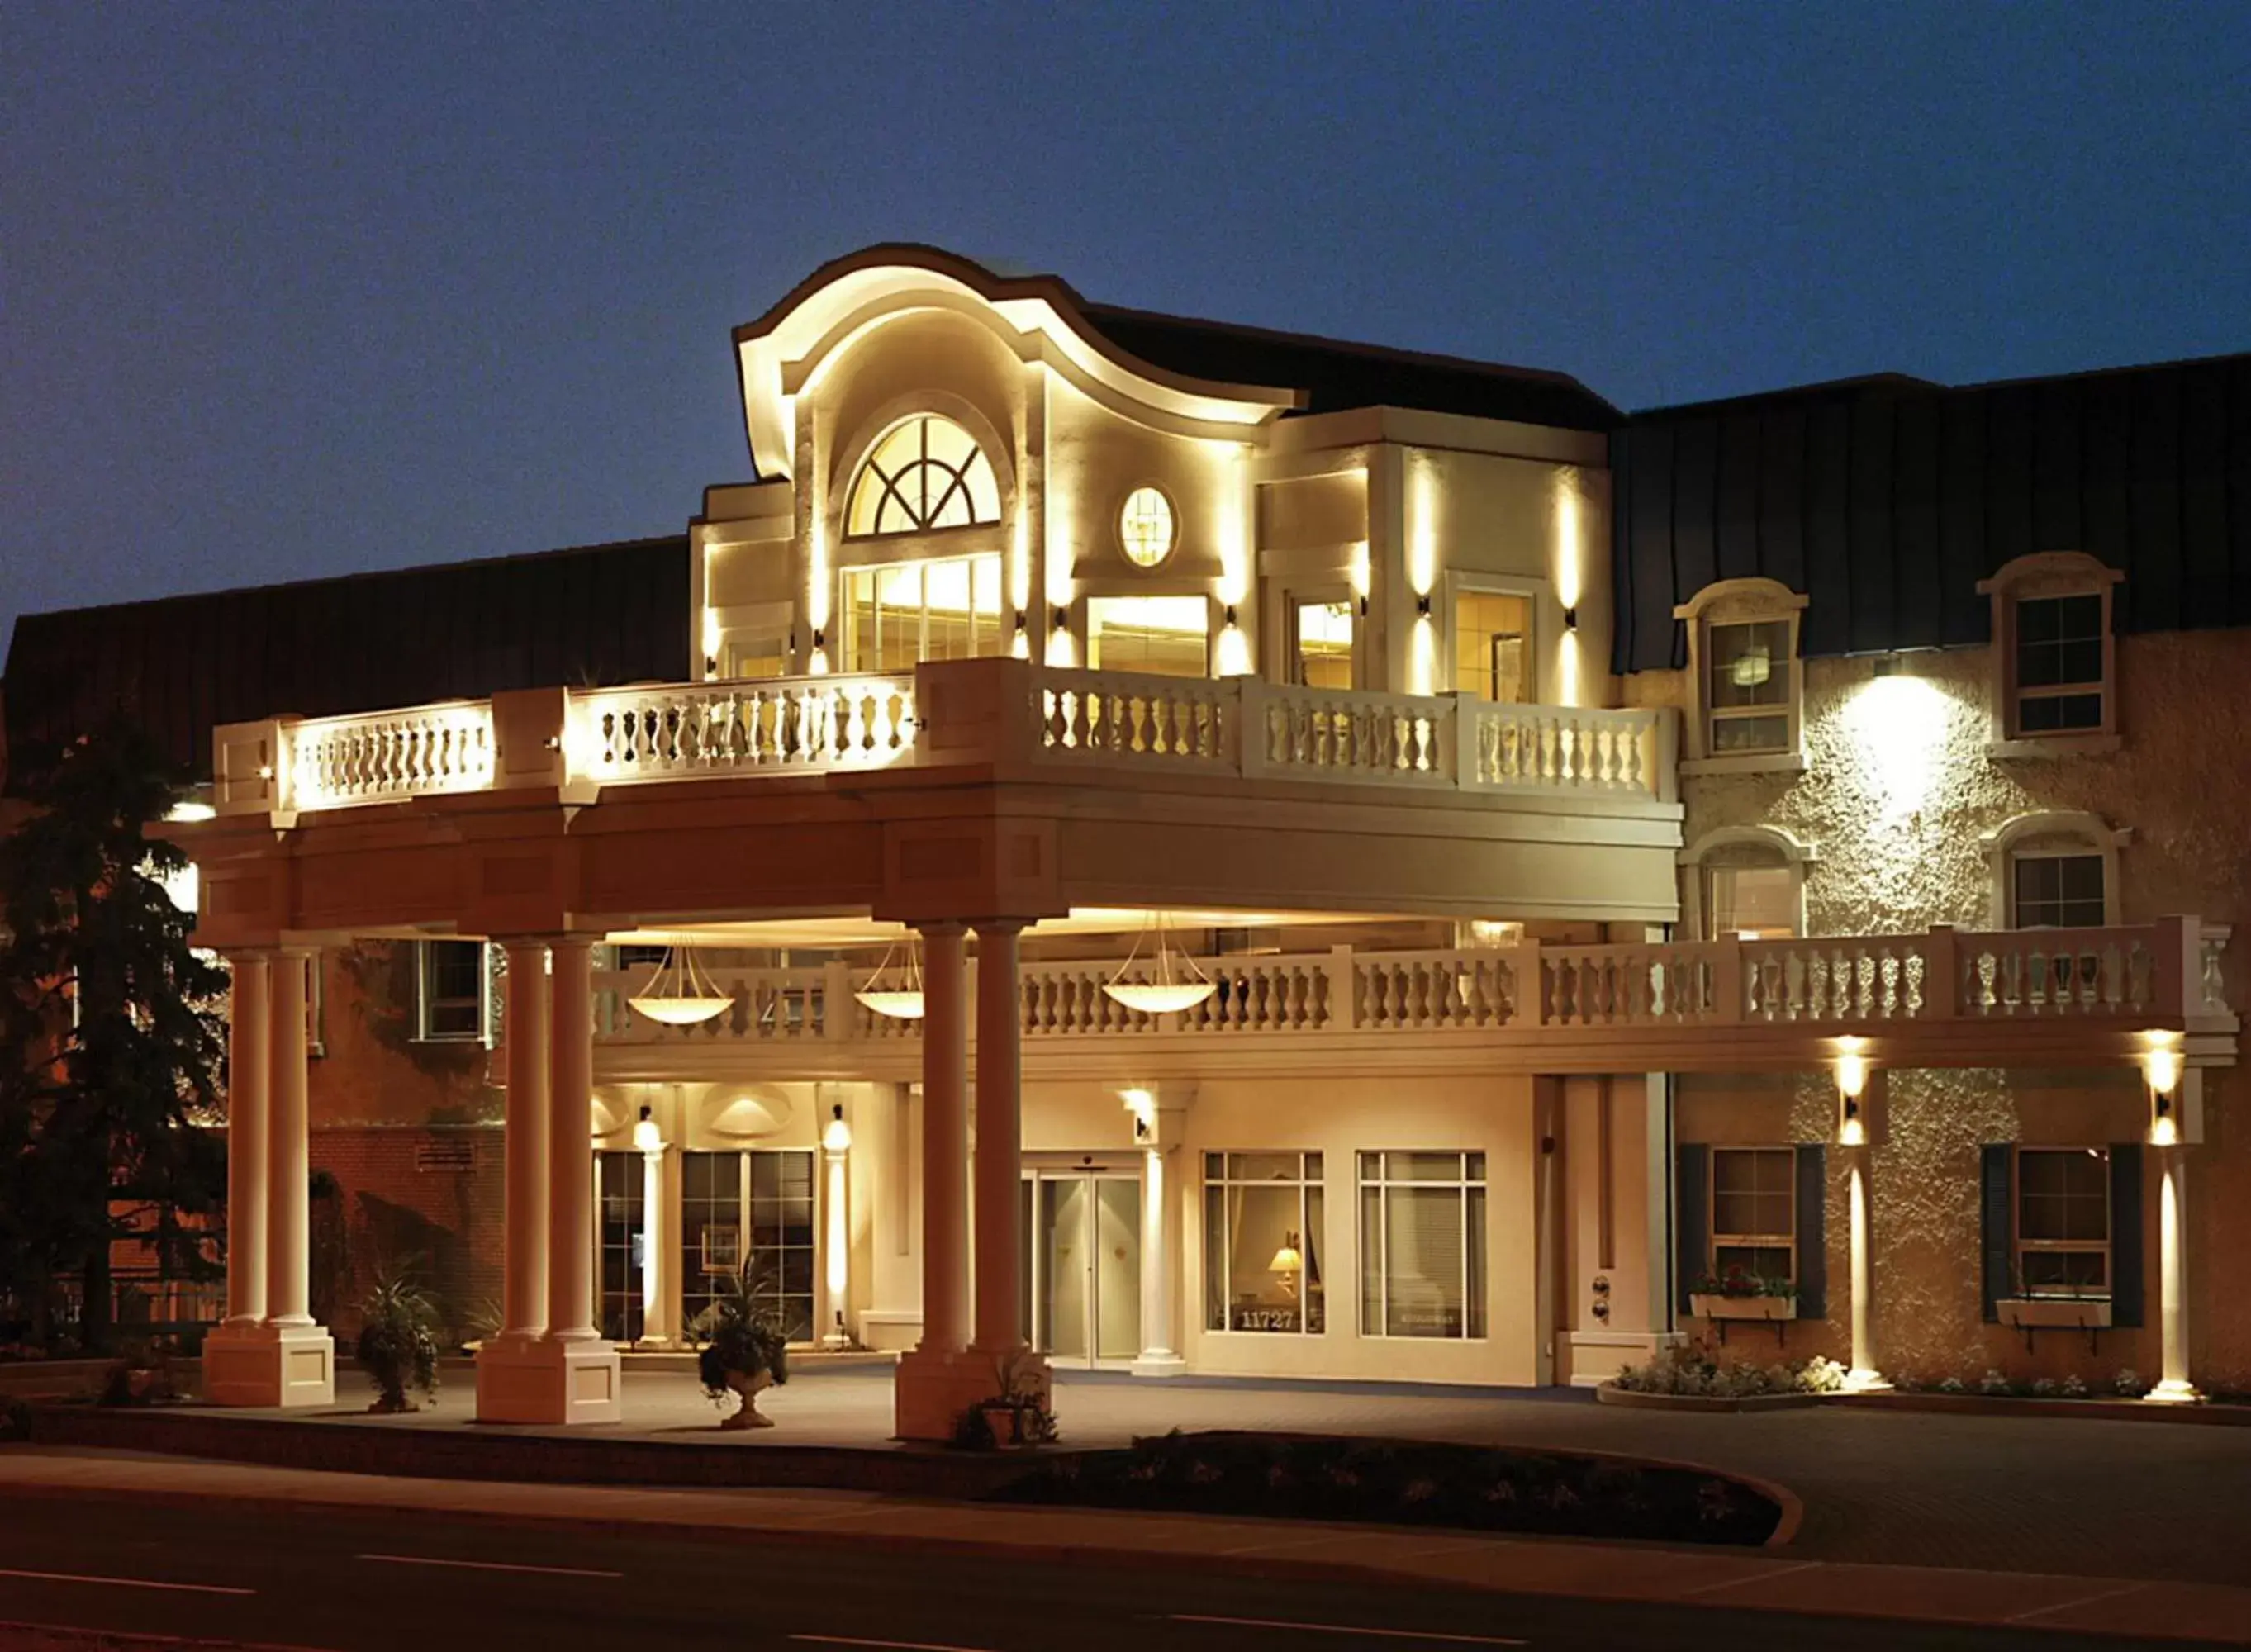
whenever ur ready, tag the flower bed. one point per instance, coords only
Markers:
(1694, 1370)
(1407, 1482)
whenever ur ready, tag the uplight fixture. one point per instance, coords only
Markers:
(1171, 991)
(902, 1001)
(678, 993)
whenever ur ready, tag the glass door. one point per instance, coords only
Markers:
(1085, 1277)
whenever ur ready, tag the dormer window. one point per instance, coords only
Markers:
(925, 474)
(2054, 664)
(1742, 658)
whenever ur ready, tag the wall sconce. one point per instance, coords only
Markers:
(1571, 617)
(1230, 614)
(1062, 617)
(1364, 607)
(1852, 1081)
(2161, 1067)
(1022, 625)
(1423, 605)
(819, 640)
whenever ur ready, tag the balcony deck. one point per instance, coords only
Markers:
(1946, 998)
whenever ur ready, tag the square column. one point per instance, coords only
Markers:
(550, 1366)
(1160, 1117)
(941, 1378)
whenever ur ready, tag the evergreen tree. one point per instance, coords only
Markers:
(111, 1047)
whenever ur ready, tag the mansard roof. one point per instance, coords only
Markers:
(1885, 500)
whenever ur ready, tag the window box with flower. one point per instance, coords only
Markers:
(1737, 1295)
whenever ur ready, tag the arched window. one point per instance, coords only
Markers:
(926, 473)
(1745, 880)
(2055, 870)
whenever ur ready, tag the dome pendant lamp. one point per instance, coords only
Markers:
(678, 993)
(903, 1000)
(1174, 989)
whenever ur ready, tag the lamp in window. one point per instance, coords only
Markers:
(896, 994)
(678, 993)
(1178, 983)
(1751, 667)
(1288, 1263)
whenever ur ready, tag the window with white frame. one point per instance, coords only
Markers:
(1754, 1213)
(2063, 1221)
(453, 991)
(924, 474)
(1493, 655)
(1320, 641)
(2052, 648)
(898, 615)
(1747, 882)
(1422, 1245)
(1261, 1243)
(1742, 656)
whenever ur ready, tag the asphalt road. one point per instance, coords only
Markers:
(383, 1581)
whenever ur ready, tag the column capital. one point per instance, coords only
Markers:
(1000, 926)
(940, 927)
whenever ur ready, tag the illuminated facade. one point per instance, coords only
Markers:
(1211, 851)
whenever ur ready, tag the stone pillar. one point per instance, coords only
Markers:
(1000, 1142)
(2174, 1386)
(249, 1104)
(941, 1378)
(1158, 1271)
(656, 1295)
(550, 1364)
(836, 1232)
(288, 1234)
(1865, 1375)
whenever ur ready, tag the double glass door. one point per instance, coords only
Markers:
(1082, 1265)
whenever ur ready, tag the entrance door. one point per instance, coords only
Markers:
(1085, 1275)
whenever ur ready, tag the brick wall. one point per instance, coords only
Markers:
(425, 1198)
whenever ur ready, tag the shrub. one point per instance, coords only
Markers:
(1693, 1369)
(1951, 1386)
(1994, 1383)
(2128, 1384)
(2074, 1388)
(140, 1376)
(2044, 1388)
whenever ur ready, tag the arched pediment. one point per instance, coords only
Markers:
(1039, 318)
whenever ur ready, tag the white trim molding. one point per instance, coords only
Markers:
(2041, 575)
(1736, 602)
(1782, 847)
(2052, 832)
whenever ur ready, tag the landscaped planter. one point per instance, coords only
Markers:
(1757, 1308)
(1610, 1394)
(2065, 1313)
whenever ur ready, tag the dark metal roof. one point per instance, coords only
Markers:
(321, 648)
(1885, 500)
(1336, 375)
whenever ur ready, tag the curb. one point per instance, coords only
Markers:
(1634, 1398)
(2229, 1416)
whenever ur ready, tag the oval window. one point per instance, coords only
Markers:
(1144, 527)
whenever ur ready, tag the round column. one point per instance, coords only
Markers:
(999, 1139)
(1865, 1376)
(570, 1147)
(524, 1268)
(248, 1102)
(2174, 1385)
(945, 1143)
(288, 1266)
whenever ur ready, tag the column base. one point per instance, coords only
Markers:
(1159, 1363)
(934, 1388)
(1860, 1381)
(2176, 1392)
(539, 1381)
(292, 1366)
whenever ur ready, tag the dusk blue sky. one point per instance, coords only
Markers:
(290, 290)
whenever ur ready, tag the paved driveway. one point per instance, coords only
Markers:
(2031, 1494)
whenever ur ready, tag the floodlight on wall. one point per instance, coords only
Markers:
(1172, 990)
(678, 993)
(902, 999)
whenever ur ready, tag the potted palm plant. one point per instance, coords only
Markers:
(744, 1352)
(398, 1343)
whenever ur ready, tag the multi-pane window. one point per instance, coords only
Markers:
(1747, 687)
(897, 616)
(1145, 528)
(782, 1232)
(925, 474)
(2059, 663)
(1754, 1212)
(2056, 891)
(1262, 1242)
(2063, 1221)
(1320, 636)
(776, 1245)
(1422, 1244)
(1750, 894)
(624, 1234)
(451, 991)
(1164, 636)
(1493, 646)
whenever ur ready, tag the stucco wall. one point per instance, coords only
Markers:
(1897, 791)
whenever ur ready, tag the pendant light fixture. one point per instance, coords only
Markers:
(679, 994)
(1172, 990)
(903, 1000)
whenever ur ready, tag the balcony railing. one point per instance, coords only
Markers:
(2136, 978)
(984, 710)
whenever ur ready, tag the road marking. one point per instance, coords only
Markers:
(896, 1646)
(1748, 1577)
(1348, 1629)
(486, 1565)
(2067, 1606)
(124, 1583)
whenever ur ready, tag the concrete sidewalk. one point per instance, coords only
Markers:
(1766, 1581)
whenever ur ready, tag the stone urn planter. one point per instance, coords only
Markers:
(749, 1386)
(744, 1352)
